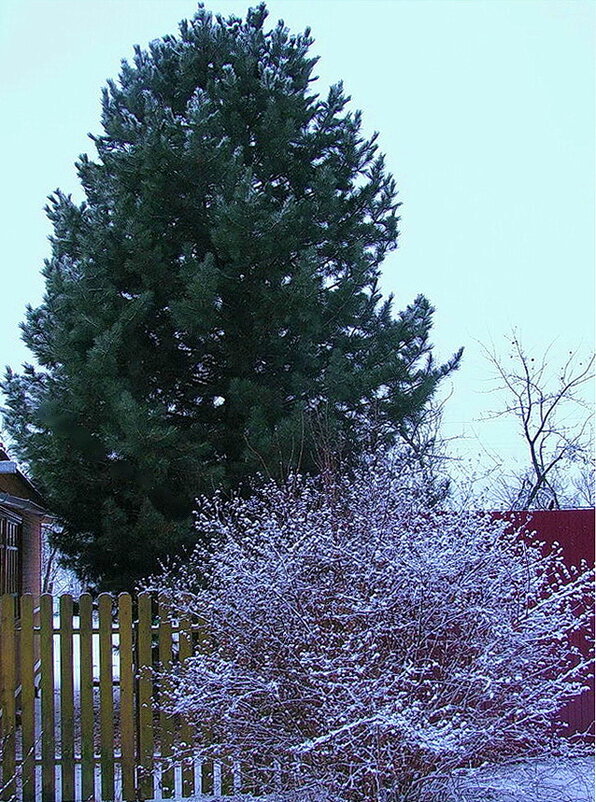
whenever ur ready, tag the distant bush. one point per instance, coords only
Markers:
(363, 644)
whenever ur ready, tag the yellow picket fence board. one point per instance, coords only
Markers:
(145, 699)
(127, 710)
(106, 697)
(27, 678)
(185, 650)
(67, 706)
(8, 683)
(166, 723)
(48, 706)
(94, 728)
(86, 696)
(207, 766)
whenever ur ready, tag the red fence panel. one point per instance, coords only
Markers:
(574, 530)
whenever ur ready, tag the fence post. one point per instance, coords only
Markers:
(127, 717)
(106, 696)
(66, 700)
(207, 766)
(165, 721)
(48, 740)
(186, 731)
(86, 696)
(145, 697)
(28, 697)
(7, 695)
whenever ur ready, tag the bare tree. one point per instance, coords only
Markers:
(556, 422)
(55, 577)
(422, 440)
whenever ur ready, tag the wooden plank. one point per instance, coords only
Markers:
(145, 696)
(8, 682)
(207, 772)
(48, 739)
(127, 717)
(227, 777)
(28, 697)
(86, 696)
(207, 766)
(186, 731)
(66, 700)
(106, 697)
(165, 721)
(264, 777)
(246, 779)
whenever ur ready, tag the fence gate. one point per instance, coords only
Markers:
(79, 705)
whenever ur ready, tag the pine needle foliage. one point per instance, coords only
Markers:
(212, 306)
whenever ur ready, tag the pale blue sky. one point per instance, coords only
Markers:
(485, 110)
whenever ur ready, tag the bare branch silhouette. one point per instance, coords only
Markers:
(556, 423)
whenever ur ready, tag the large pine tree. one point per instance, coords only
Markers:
(211, 308)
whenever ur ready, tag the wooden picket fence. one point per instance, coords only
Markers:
(80, 718)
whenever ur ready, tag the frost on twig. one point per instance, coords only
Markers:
(364, 643)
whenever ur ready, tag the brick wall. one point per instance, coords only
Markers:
(31, 554)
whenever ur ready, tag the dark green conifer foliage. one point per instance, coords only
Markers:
(211, 308)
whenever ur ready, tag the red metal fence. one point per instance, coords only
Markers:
(574, 530)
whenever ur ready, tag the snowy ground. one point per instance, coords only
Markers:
(542, 781)
(570, 780)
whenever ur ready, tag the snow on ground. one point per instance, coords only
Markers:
(542, 781)
(570, 780)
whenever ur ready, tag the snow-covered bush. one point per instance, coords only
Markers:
(365, 644)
